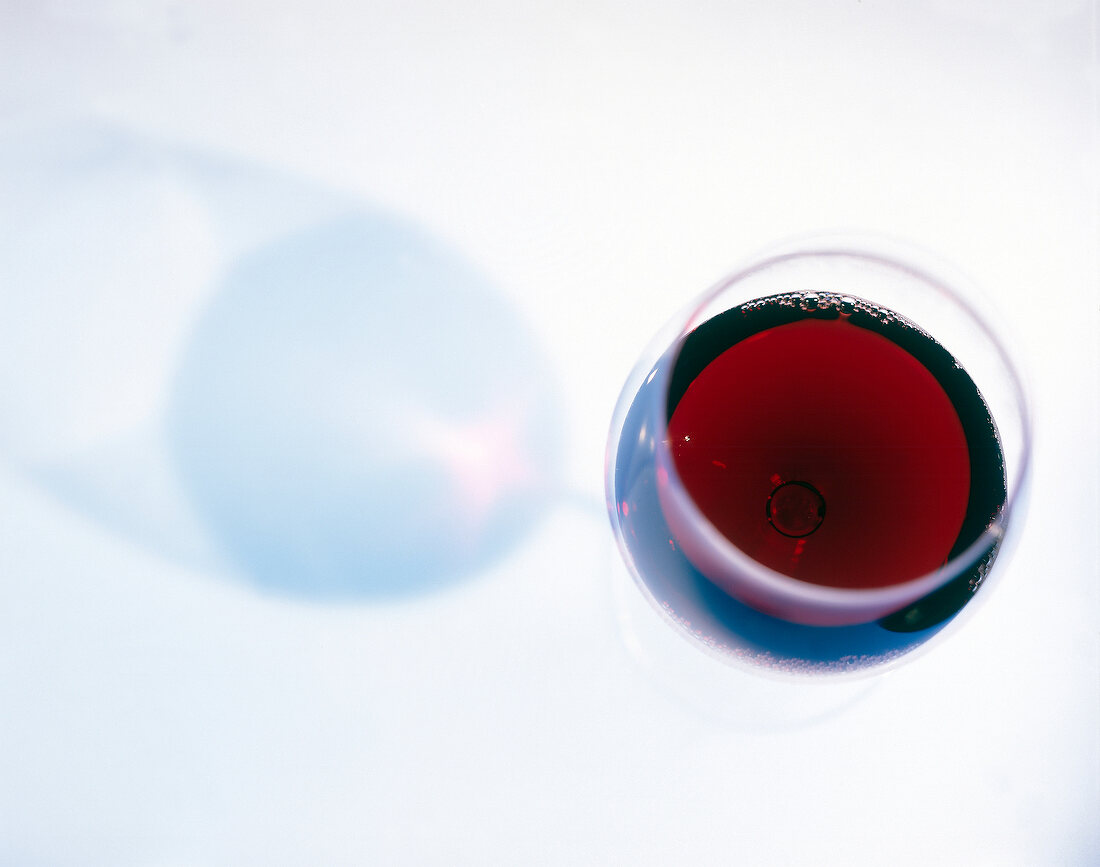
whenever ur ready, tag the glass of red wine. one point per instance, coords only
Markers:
(813, 467)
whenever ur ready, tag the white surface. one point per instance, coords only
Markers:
(602, 163)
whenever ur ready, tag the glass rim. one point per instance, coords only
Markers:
(828, 605)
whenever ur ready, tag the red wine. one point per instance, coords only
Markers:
(833, 441)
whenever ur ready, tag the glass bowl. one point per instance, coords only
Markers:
(716, 577)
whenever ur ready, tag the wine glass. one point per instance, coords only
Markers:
(814, 466)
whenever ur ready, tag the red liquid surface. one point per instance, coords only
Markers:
(827, 452)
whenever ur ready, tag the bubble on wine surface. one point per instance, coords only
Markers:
(796, 509)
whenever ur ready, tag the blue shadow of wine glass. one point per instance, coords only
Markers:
(355, 413)
(358, 415)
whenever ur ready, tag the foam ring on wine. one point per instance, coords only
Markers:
(796, 509)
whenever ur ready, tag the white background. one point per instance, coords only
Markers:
(602, 163)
